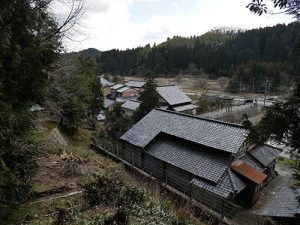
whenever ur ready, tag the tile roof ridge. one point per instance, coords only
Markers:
(231, 178)
(202, 118)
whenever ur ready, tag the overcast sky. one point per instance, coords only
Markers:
(122, 24)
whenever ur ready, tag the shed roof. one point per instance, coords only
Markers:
(189, 157)
(181, 108)
(117, 86)
(121, 90)
(105, 82)
(172, 95)
(248, 172)
(135, 83)
(108, 102)
(252, 162)
(130, 104)
(265, 154)
(283, 204)
(229, 183)
(212, 133)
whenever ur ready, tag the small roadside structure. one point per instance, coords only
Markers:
(207, 159)
(130, 107)
(172, 98)
(136, 84)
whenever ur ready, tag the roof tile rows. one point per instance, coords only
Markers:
(172, 95)
(135, 83)
(283, 204)
(215, 134)
(131, 104)
(188, 157)
(265, 154)
(229, 183)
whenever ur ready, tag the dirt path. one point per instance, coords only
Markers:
(268, 192)
(56, 196)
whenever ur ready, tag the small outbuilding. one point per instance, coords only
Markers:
(130, 107)
(172, 98)
(136, 84)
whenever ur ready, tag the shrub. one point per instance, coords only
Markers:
(110, 192)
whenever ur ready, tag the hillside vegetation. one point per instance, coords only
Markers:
(250, 57)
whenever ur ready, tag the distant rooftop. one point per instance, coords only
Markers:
(135, 83)
(131, 104)
(173, 95)
(212, 133)
(105, 82)
(108, 102)
(117, 86)
(122, 89)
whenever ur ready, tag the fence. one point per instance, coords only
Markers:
(213, 204)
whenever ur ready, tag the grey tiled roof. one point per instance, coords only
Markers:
(229, 183)
(133, 105)
(251, 162)
(184, 107)
(105, 82)
(135, 83)
(189, 157)
(108, 102)
(265, 154)
(215, 134)
(120, 90)
(283, 204)
(172, 95)
(117, 86)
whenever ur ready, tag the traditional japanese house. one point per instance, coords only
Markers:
(106, 86)
(136, 84)
(172, 98)
(206, 159)
(130, 107)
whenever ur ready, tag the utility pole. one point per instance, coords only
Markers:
(253, 82)
(241, 84)
(267, 86)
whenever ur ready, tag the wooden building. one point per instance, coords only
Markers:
(206, 159)
(130, 107)
(106, 86)
(136, 84)
(172, 98)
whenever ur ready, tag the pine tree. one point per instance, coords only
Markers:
(149, 99)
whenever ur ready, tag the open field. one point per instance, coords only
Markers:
(189, 85)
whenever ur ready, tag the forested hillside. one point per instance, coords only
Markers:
(214, 52)
(252, 56)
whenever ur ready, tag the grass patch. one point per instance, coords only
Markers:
(287, 162)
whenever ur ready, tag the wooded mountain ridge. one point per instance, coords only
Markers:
(213, 52)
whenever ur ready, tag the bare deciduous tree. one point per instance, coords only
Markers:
(223, 82)
(200, 83)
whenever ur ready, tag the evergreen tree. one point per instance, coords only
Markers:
(116, 124)
(28, 47)
(149, 99)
